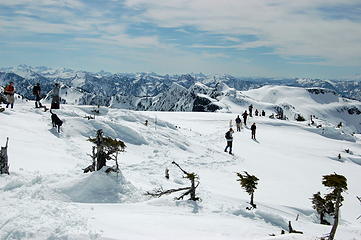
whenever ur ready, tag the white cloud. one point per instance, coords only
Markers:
(292, 28)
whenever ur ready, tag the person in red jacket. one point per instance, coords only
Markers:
(9, 91)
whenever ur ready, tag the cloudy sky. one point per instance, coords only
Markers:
(305, 38)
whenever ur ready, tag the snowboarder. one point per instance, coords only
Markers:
(36, 93)
(250, 110)
(9, 91)
(253, 129)
(245, 115)
(229, 139)
(55, 103)
(256, 112)
(238, 123)
(263, 113)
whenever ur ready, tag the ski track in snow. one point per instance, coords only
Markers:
(48, 197)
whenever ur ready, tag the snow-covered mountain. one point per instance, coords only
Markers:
(47, 195)
(105, 84)
(194, 92)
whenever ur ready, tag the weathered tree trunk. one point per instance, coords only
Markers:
(336, 217)
(291, 230)
(4, 166)
(251, 202)
(322, 216)
(101, 160)
(193, 191)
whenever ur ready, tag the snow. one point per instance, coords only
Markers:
(47, 195)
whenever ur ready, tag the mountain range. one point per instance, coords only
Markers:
(186, 92)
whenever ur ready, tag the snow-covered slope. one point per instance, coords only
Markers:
(325, 104)
(47, 196)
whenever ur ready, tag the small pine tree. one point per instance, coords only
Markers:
(249, 183)
(338, 184)
(106, 149)
(323, 206)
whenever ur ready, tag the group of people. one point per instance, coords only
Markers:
(9, 96)
(229, 133)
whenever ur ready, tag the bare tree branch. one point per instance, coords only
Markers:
(160, 192)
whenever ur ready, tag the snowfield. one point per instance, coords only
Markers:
(47, 195)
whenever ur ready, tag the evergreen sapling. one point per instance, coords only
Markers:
(249, 183)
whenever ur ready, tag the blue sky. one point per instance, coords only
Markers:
(275, 38)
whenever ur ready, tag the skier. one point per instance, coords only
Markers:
(250, 110)
(55, 103)
(36, 93)
(10, 91)
(253, 129)
(263, 113)
(238, 123)
(245, 115)
(229, 139)
(256, 112)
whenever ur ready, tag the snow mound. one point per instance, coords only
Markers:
(333, 133)
(100, 187)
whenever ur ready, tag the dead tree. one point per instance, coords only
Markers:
(249, 183)
(166, 173)
(291, 230)
(359, 198)
(105, 149)
(4, 165)
(191, 191)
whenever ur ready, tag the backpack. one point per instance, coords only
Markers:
(8, 89)
(227, 135)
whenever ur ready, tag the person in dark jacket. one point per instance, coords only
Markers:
(36, 93)
(238, 123)
(253, 130)
(229, 139)
(250, 108)
(245, 115)
(256, 112)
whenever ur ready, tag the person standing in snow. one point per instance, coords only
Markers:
(9, 91)
(253, 130)
(245, 115)
(250, 110)
(263, 113)
(36, 93)
(229, 139)
(256, 112)
(55, 103)
(238, 123)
